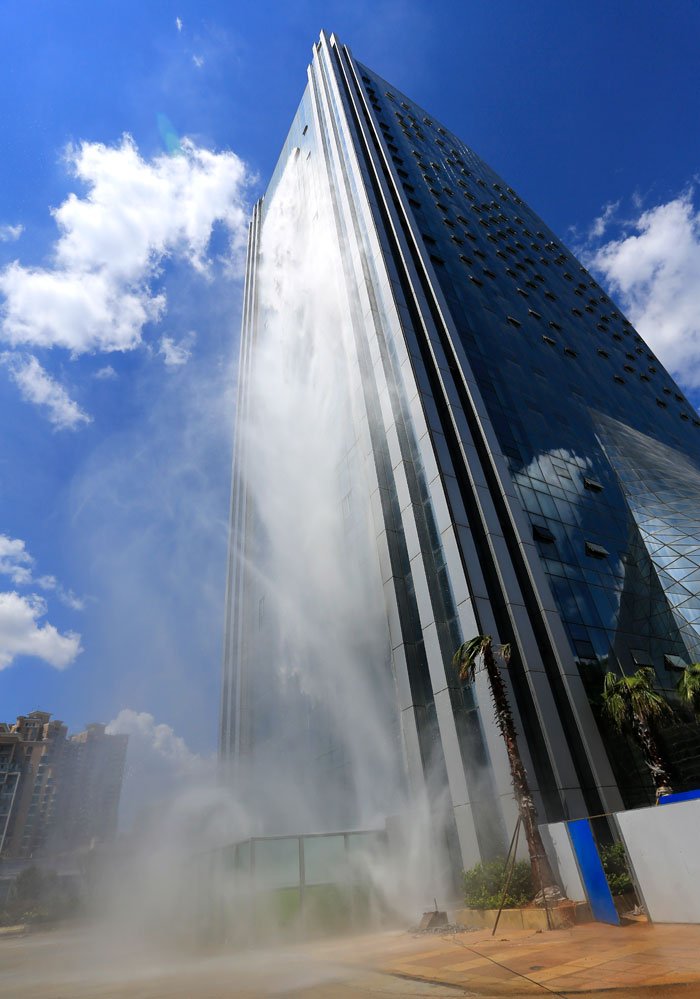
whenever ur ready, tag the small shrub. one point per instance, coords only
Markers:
(39, 896)
(484, 883)
(616, 870)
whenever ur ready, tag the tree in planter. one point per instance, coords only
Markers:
(465, 659)
(633, 706)
(689, 687)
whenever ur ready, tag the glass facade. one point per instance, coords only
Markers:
(602, 445)
(534, 470)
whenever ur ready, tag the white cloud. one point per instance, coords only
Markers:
(601, 224)
(176, 354)
(9, 233)
(198, 61)
(17, 563)
(106, 373)
(159, 763)
(15, 560)
(66, 597)
(22, 635)
(158, 739)
(653, 270)
(37, 386)
(70, 599)
(178, 23)
(99, 292)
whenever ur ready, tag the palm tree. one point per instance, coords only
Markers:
(689, 686)
(633, 706)
(464, 660)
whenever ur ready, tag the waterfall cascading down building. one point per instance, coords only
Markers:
(445, 428)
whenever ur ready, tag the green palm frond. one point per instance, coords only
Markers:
(467, 654)
(689, 686)
(615, 703)
(628, 697)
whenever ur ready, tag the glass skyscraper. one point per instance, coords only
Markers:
(529, 468)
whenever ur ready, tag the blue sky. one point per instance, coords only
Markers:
(117, 402)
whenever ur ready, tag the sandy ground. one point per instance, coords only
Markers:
(81, 964)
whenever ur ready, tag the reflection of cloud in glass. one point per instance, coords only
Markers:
(554, 466)
(662, 488)
(562, 469)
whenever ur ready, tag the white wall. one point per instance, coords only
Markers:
(561, 855)
(662, 846)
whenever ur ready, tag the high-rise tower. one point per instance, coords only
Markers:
(519, 459)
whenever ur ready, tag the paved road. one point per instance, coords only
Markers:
(82, 965)
(75, 965)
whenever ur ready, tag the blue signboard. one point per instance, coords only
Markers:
(671, 799)
(592, 873)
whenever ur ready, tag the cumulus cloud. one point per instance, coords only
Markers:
(9, 233)
(99, 292)
(22, 635)
(37, 386)
(601, 224)
(176, 354)
(159, 762)
(15, 560)
(653, 269)
(67, 597)
(105, 374)
(159, 739)
(18, 564)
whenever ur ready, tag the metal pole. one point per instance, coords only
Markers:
(510, 860)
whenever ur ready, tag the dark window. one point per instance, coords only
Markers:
(596, 551)
(542, 534)
(592, 484)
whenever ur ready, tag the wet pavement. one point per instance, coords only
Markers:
(632, 962)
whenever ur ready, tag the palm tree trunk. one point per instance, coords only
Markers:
(542, 873)
(652, 754)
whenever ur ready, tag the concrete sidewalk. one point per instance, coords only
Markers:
(581, 961)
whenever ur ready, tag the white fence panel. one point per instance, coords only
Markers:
(662, 844)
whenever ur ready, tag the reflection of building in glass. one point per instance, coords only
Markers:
(495, 405)
(662, 489)
(57, 792)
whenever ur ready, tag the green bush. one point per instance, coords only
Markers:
(39, 896)
(616, 870)
(484, 883)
